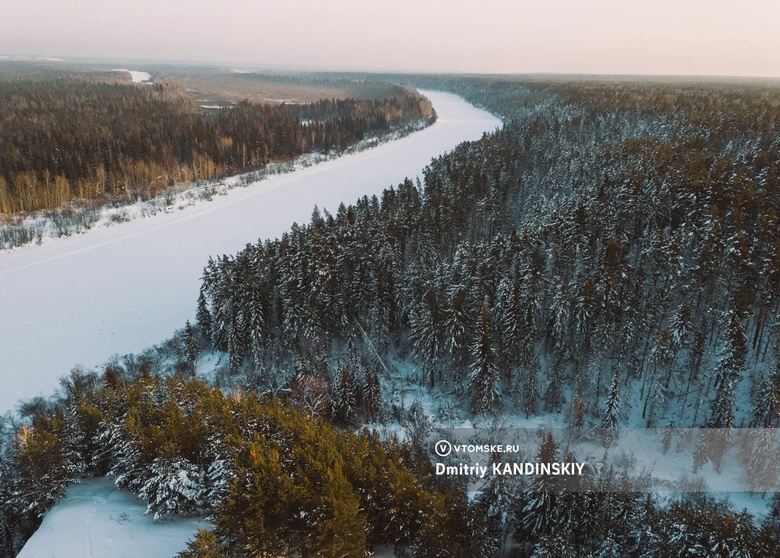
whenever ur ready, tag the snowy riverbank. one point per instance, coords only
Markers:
(119, 289)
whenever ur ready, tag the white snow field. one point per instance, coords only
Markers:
(136, 76)
(97, 520)
(120, 289)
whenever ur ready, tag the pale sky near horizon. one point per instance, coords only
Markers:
(661, 37)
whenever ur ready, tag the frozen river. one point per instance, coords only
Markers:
(119, 289)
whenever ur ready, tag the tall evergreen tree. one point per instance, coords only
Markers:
(610, 420)
(203, 316)
(540, 512)
(425, 333)
(483, 381)
(344, 404)
(191, 343)
(728, 373)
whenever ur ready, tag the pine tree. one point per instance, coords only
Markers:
(773, 517)
(662, 356)
(372, 394)
(530, 387)
(204, 545)
(257, 329)
(128, 464)
(495, 500)
(553, 395)
(554, 544)
(680, 326)
(425, 333)
(174, 487)
(540, 512)
(483, 381)
(728, 373)
(560, 307)
(381, 313)
(766, 410)
(203, 316)
(344, 405)
(43, 466)
(610, 420)
(763, 468)
(236, 346)
(666, 441)
(512, 323)
(260, 512)
(417, 424)
(336, 527)
(191, 344)
(714, 440)
(220, 471)
(459, 327)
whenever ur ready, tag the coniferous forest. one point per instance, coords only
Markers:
(612, 255)
(89, 139)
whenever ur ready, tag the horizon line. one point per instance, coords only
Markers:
(303, 68)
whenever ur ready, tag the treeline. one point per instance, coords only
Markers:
(273, 479)
(67, 140)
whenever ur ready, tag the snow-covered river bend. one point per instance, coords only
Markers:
(119, 289)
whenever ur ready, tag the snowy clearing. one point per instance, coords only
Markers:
(98, 520)
(120, 289)
(636, 451)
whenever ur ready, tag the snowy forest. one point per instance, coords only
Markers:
(611, 256)
(534, 267)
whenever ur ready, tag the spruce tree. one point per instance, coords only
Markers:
(610, 420)
(540, 512)
(459, 327)
(344, 404)
(174, 487)
(203, 316)
(191, 343)
(425, 334)
(728, 373)
(483, 381)
(766, 409)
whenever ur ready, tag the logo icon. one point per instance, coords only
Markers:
(443, 448)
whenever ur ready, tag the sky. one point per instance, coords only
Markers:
(658, 37)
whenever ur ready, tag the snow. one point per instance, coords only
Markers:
(120, 289)
(98, 520)
(136, 76)
(636, 451)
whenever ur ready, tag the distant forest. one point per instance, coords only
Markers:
(612, 254)
(79, 139)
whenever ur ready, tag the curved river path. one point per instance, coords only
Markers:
(119, 289)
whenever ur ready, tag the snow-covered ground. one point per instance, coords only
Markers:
(637, 452)
(98, 520)
(120, 289)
